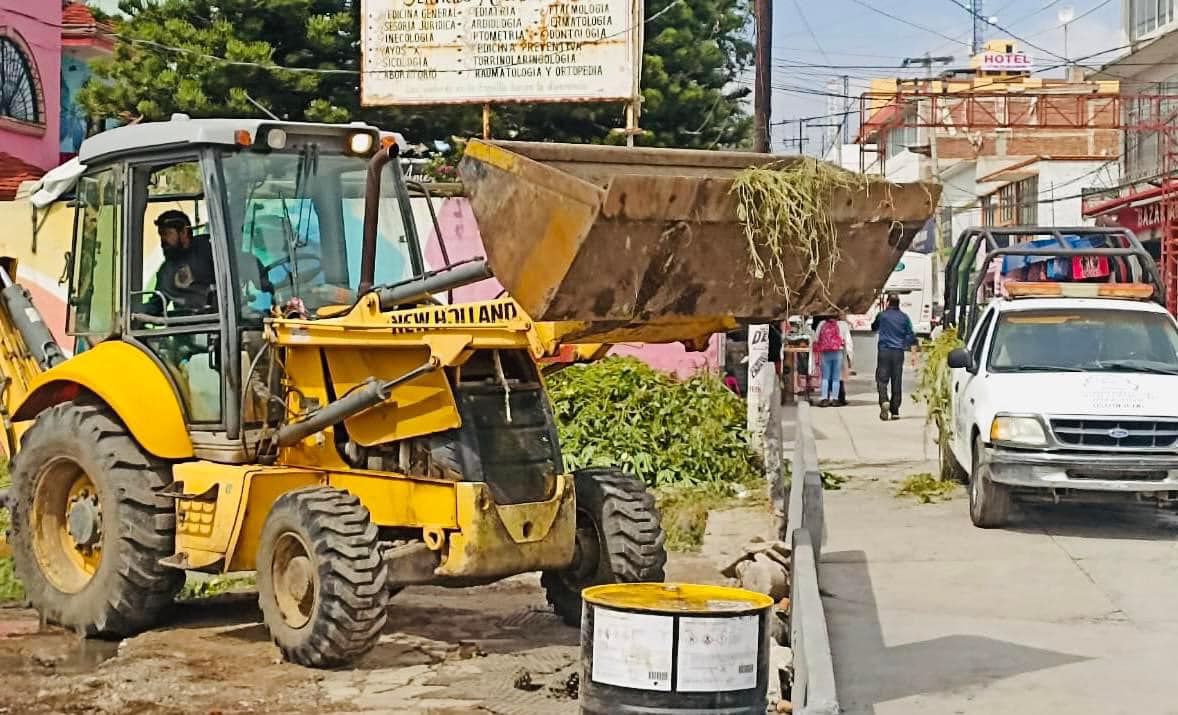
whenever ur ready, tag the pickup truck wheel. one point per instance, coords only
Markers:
(989, 503)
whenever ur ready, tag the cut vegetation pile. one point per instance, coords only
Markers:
(933, 384)
(684, 438)
(10, 588)
(926, 488)
(785, 208)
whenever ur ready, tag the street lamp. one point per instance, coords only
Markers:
(1066, 15)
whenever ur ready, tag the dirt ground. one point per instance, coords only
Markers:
(494, 649)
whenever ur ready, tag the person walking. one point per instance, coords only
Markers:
(895, 337)
(829, 347)
(848, 357)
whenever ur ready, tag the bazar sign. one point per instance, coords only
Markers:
(1005, 62)
(1140, 219)
(487, 51)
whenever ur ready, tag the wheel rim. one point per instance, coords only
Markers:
(587, 554)
(296, 584)
(66, 525)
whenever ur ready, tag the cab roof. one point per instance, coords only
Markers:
(1009, 305)
(181, 131)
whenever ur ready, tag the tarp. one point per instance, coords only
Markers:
(56, 183)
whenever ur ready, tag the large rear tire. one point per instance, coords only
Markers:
(88, 526)
(619, 540)
(322, 580)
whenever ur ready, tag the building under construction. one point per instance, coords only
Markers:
(1009, 148)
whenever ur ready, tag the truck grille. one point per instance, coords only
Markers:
(1112, 433)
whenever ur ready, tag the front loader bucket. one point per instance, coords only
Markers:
(627, 236)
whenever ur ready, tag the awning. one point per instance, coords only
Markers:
(885, 115)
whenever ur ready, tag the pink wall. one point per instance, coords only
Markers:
(38, 23)
(463, 241)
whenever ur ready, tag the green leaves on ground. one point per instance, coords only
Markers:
(215, 586)
(926, 488)
(10, 588)
(667, 432)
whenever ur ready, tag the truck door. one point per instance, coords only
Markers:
(965, 385)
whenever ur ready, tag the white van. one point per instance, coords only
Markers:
(912, 280)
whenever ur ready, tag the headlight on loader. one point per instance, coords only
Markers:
(1022, 431)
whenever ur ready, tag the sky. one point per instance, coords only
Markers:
(810, 38)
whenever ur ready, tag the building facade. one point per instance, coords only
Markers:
(1149, 76)
(30, 94)
(1011, 149)
(45, 53)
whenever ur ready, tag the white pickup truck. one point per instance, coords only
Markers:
(1064, 390)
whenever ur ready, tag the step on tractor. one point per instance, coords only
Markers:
(265, 377)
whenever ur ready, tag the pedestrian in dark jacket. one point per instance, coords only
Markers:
(895, 336)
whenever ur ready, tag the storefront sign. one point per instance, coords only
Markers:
(475, 51)
(1005, 62)
(1141, 220)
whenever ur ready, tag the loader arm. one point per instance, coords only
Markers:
(27, 349)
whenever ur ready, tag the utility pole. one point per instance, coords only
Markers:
(976, 8)
(933, 171)
(763, 101)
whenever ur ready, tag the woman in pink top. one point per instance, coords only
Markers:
(828, 346)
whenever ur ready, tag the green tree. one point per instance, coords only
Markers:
(693, 53)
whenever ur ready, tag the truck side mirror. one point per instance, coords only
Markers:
(960, 357)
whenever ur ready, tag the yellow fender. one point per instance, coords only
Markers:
(127, 380)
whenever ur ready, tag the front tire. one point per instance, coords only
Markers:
(322, 580)
(88, 526)
(619, 540)
(989, 503)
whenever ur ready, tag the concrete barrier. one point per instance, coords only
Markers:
(814, 690)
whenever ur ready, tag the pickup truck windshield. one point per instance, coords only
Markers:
(1085, 339)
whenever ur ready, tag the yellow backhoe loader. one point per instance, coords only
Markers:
(266, 378)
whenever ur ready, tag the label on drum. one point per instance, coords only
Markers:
(632, 650)
(717, 654)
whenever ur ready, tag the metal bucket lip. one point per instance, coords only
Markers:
(677, 598)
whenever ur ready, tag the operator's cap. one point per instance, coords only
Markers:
(173, 219)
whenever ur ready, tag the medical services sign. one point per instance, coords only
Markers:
(495, 51)
(1005, 62)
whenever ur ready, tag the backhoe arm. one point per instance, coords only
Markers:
(27, 348)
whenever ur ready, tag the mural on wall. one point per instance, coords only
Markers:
(74, 73)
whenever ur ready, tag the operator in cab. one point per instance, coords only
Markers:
(187, 277)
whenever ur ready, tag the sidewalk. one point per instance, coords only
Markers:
(853, 438)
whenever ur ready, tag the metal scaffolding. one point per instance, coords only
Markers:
(1146, 122)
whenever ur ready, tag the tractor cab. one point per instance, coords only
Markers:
(191, 232)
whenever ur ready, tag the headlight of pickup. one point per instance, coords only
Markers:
(1020, 431)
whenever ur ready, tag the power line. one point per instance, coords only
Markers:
(1023, 40)
(1077, 18)
(897, 18)
(806, 24)
(1016, 21)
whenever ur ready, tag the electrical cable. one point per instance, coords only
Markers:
(806, 24)
(897, 18)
